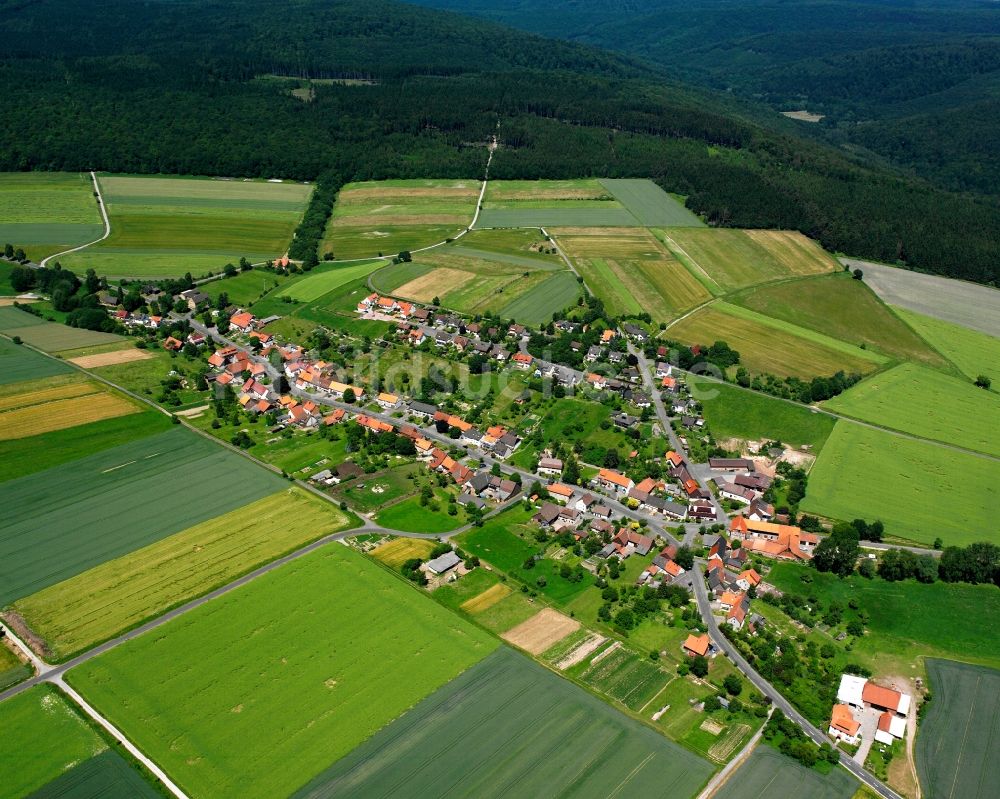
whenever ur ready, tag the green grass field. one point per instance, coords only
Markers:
(105, 776)
(650, 204)
(50, 736)
(734, 413)
(95, 605)
(246, 287)
(974, 353)
(18, 363)
(768, 773)
(536, 305)
(956, 747)
(410, 516)
(928, 404)
(908, 620)
(844, 309)
(509, 727)
(379, 489)
(72, 517)
(12, 669)
(324, 281)
(49, 336)
(257, 692)
(168, 226)
(919, 490)
(523, 243)
(45, 212)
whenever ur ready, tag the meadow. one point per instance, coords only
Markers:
(524, 243)
(373, 491)
(767, 345)
(650, 204)
(974, 353)
(410, 516)
(35, 411)
(956, 747)
(908, 621)
(555, 740)
(18, 364)
(166, 226)
(50, 736)
(95, 605)
(768, 773)
(324, 279)
(246, 287)
(919, 490)
(49, 336)
(46, 212)
(732, 412)
(105, 776)
(535, 306)
(928, 404)
(258, 691)
(844, 309)
(72, 517)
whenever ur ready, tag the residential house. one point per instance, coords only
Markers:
(737, 614)
(781, 541)
(547, 514)
(593, 354)
(696, 645)
(522, 360)
(243, 321)
(748, 579)
(387, 401)
(731, 464)
(560, 492)
(843, 727)
(421, 409)
(663, 370)
(615, 481)
(550, 466)
(736, 493)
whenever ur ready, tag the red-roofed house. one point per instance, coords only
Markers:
(615, 481)
(243, 321)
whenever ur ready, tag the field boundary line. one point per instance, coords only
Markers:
(690, 263)
(104, 215)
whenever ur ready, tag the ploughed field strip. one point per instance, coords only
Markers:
(168, 226)
(69, 518)
(255, 693)
(509, 727)
(45, 212)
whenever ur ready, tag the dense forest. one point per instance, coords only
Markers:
(189, 87)
(916, 82)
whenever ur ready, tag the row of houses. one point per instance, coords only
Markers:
(779, 541)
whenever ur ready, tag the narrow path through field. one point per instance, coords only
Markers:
(104, 216)
(722, 777)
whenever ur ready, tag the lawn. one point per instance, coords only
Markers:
(257, 692)
(95, 605)
(72, 517)
(732, 412)
(105, 776)
(324, 279)
(509, 727)
(410, 516)
(650, 204)
(165, 226)
(51, 738)
(844, 309)
(18, 363)
(766, 345)
(46, 212)
(768, 773)
(956, 746)
(974, 353)
(928, 404)
(908, 620)
(919, 490)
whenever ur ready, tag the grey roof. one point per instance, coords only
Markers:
(472, 499)
(449, 560)
(422, 407)
(548, 513)
(479, 482)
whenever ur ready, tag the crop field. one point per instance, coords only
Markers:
(734, 413)
(769, 346)
(768, 773)
(45, 212)
(726, 259)
(18, 363)
(524, 243)
(626, 677)
(50, 737)
(49, 336)
(12, 669)
(535, 306)
(323, 280)
(395, 553)
(844, 309)
(34, 412)
(512, 193)
(555, 740)
(542, 631)
(956, 748)
(72, 517)
(390, 216)
(95, 605)
(168, 226)
(105, 776)
(650, 204)
(974, 353)
(110, 358)
(872, 474)
(258, 691)
(928, 404)
(486, 599)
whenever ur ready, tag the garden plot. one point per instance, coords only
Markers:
(541, 631)
(625, 676)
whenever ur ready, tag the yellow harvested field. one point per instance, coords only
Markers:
(396, 552)
(672, 281)
(487, 599)
(622, 243)
(799, 254)
(434, 283)
(62, 413)
(26, 399)
(544, 629)
(110, 358)
(97, 604)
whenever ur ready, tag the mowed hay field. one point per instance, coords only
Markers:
(258, 691)
(50, 736)
(46, 212)
(766, 345)
(164, 226)
(509, 727)
(72, 517)
(974, 353)
(18, 363)
(725, 259)
(325, 279)
(919, 490)
(395, 553)
(768, 773)
(956, 747)
(390, 216)
(928, 404)
(845, 309)
(95, 605)
(32, 412)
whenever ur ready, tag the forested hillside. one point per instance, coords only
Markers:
(189, 87)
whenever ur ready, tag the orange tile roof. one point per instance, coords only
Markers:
(241, 319)
(522, 357)
(731, 597)
(607, 335)
(674, 458)
(885, 722)
(697, 644)
(843, 720)
(611, 476)
(882, 697)
(751, 576)
(560, 490)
